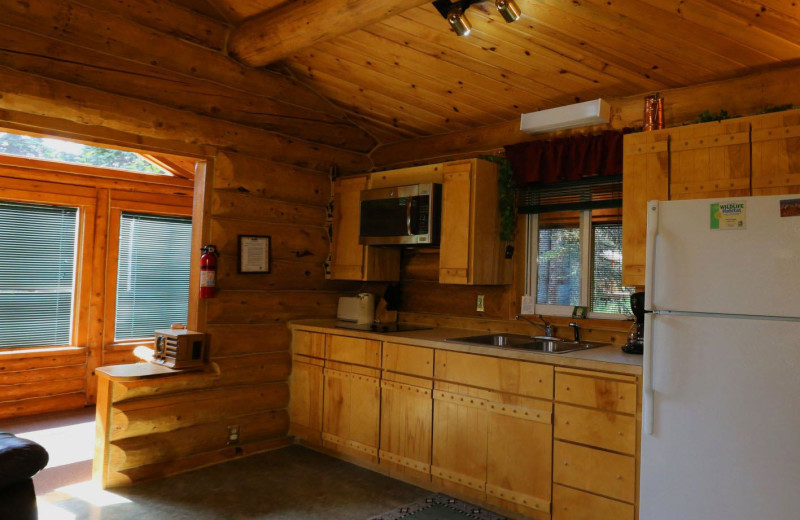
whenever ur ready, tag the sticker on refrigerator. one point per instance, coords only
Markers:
(790, 208)
(728, 215)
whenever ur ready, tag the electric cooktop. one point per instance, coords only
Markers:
(383, 327)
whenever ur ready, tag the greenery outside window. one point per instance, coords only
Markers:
(51, 149)
(152, 274)
(575, 259)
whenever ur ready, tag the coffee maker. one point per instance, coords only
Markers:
(635, 344)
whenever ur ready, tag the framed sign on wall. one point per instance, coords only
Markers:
(254, 254)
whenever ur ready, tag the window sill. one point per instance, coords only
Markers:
(131, 344)
(21, 353)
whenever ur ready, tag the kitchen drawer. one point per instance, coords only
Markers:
(611, 431)
(502, 375)
(310, 344)
(571, 504)
(405, 359)
(354, 351)
(596, 390)
(600, 472)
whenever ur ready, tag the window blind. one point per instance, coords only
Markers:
(37, 274)
(590, 193)
(608, 294)
(152, 274)
(559, 266)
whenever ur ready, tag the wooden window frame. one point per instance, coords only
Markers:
(75, 197)
(587, 265)
(161, 209)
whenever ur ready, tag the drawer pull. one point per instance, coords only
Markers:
(566, 463)
(566, 388)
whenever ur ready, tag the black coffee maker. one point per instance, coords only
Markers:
(635, 344)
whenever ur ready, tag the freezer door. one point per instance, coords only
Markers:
(752, 271)
(724, 444)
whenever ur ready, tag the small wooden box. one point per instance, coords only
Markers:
(179, 349)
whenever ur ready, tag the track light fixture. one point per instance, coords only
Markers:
(453, 12)
(509, 9)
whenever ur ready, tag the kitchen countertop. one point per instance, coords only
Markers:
(609, 358)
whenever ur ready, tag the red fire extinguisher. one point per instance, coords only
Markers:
(208, 271)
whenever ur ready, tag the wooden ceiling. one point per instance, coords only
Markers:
(356, 84)
(410, 76)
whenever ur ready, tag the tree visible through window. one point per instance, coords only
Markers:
(75, 153)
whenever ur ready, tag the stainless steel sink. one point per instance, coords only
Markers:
(522, 342)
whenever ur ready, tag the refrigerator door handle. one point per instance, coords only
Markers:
(647, 375)
(650, 253)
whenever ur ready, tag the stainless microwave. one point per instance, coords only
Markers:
(401, 215)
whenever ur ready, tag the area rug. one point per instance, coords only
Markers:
(439, 507)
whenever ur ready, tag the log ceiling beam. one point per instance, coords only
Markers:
(742, 95)
(280, 32)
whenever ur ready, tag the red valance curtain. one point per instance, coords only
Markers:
(566, 159)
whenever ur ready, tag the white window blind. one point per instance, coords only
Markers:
(608, 294)
(559, 266)
(37, 274)
(153, 274)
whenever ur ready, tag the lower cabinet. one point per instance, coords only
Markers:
(351, 413)
(305, 404)
(406, 411)
(547, 442)
(595, 468)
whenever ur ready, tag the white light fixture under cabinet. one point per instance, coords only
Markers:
(570, 116)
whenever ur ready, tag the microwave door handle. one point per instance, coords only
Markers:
(408, 217)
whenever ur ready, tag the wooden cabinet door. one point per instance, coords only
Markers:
(460, 426)
(347, 255)
(645, 177)
(520, 440)
(305, 407)
(310, 344)
(776, 153)
(336, 408)
(351, 413)
(406, 428)
(454, 251)
(710, 160)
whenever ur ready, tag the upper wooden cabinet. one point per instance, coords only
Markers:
(758, 155)
(349, 259)
(645, 177)
(710, 160)
(471, 252)
(776, 153)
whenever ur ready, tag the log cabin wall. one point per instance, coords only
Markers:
(97, 72)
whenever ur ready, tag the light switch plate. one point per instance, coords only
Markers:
(479, 304)
(528, 305)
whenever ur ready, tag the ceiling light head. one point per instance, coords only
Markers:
(509, 9)
(458, 21)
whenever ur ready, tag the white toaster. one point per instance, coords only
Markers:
(359, 309)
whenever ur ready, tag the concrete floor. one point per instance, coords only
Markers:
(288, 484)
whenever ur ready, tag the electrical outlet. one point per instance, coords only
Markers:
(479, 304)
(233, 434)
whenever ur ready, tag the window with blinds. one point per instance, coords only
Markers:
(608, 294)
(37, 274)
(559, 266)
(152, 274)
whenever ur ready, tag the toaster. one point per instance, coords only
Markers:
(360, 309)
(179, 348)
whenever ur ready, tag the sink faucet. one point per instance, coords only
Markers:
(547, 328)
(576, 328)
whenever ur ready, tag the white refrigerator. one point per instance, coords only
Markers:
(721, 403)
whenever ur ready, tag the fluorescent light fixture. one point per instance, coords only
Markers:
(570, 116)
